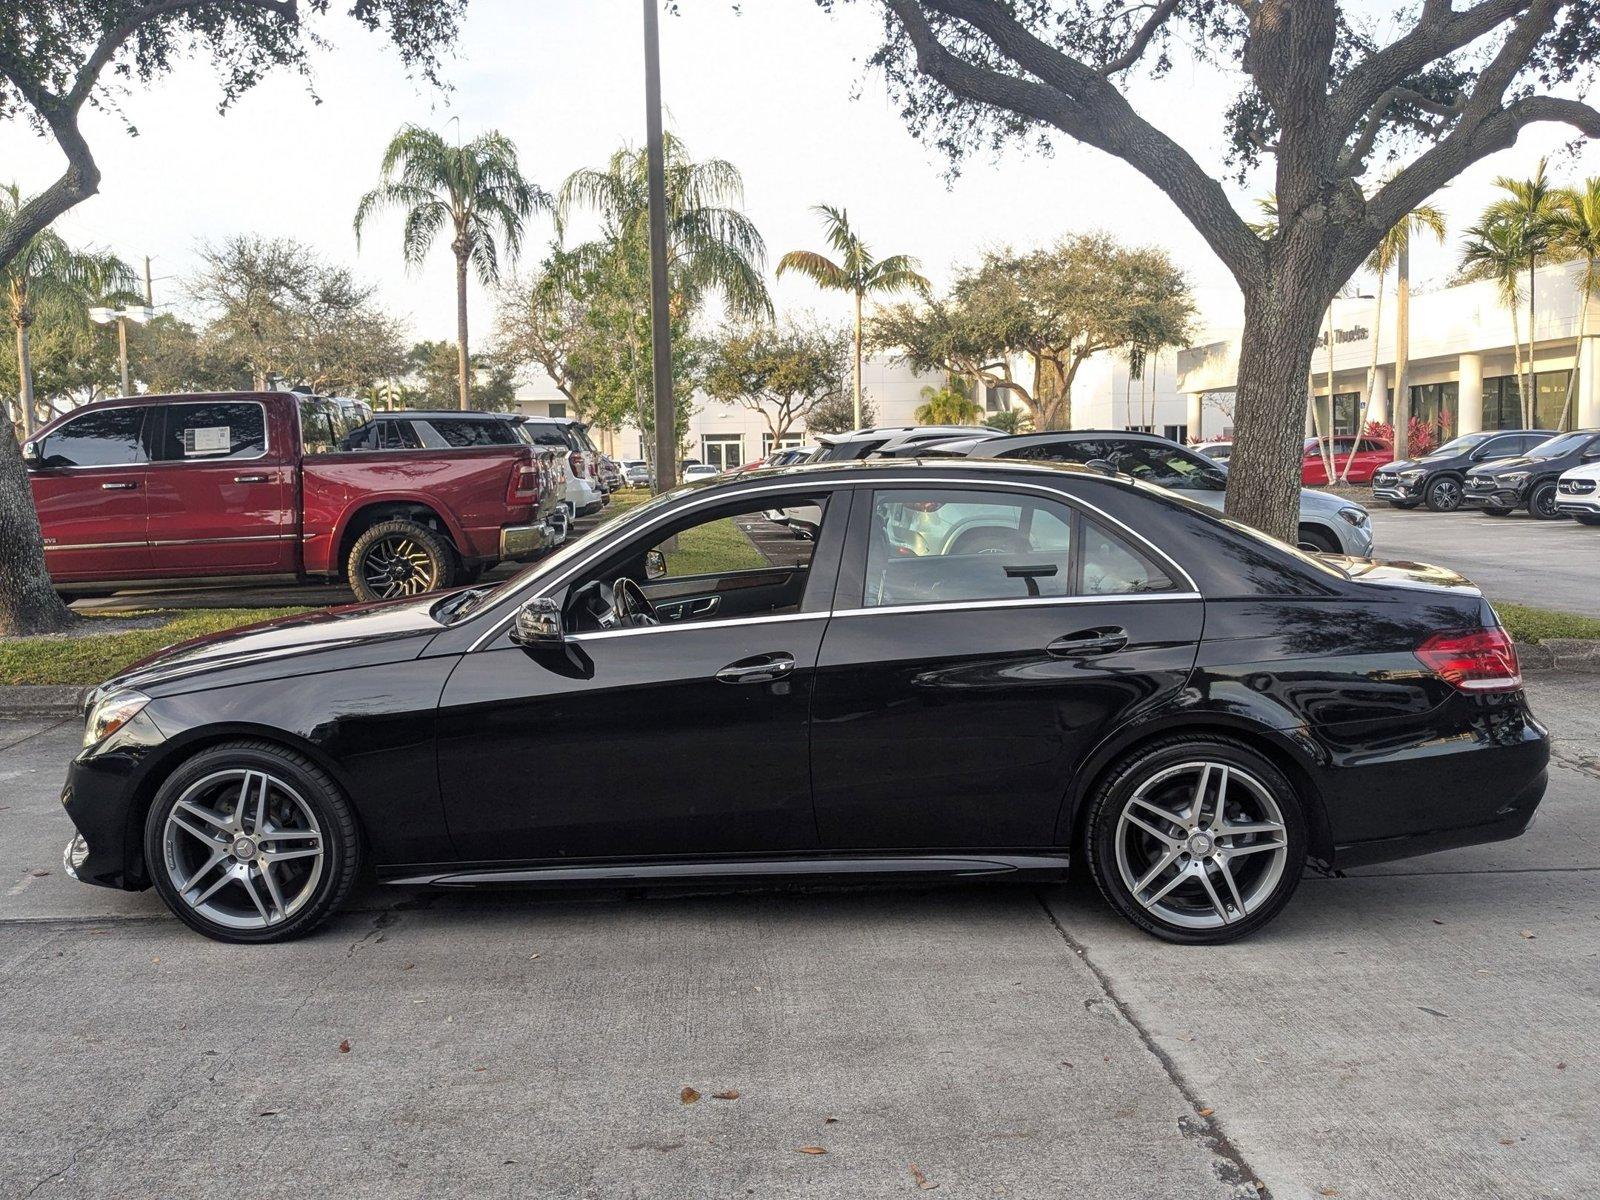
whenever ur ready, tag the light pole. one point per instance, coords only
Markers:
(121, 315)
(660, 325)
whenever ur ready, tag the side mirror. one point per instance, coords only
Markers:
(655, 564)
(537, 624)
(32, 454)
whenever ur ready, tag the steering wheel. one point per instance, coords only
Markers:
(618, 605)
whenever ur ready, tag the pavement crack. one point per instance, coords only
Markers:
(1228, 1161)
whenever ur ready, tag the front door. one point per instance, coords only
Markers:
(687, 738)
(89, 491)
(221, 499)
(983, 642)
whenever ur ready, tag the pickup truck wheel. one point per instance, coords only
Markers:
(399, 558)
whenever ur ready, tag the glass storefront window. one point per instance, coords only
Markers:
(1435, 404)
(1502, 401)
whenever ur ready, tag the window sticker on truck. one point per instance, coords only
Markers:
(212, 439)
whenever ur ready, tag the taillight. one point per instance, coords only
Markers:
(1476, 660)
(578, 467)
(525, 483)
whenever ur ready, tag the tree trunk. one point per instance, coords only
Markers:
(1400, 411)
(1516, 349)
(856, 378)
(1533, 375)
(463, 369)
(28, 600)
(25, 379)
(1577, 345)
(1269, 413)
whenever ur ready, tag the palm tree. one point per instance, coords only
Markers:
(947, 406)
(1577, 233)
(476, 189)
(855, 271)
(1394, 250)
(1494, 250)
(1530, 208)
(48, 279)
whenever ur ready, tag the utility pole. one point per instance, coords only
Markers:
(660, 320)
(1400, 410)
(149, 288)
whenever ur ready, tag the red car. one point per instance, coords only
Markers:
(1371, 453)
(204, 487)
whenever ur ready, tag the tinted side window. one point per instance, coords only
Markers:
(476, 433)
(202, 432)
(1502, 447)
(317, 434)
(107, 438)
(1112, 567)
(546, 435)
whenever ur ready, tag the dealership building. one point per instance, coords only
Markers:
(1462, 377)
(1462, 373)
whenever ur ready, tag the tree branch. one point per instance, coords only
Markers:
(1141, 40)
(1078, 101)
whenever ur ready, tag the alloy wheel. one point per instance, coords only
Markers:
(1445, 495)
(1544, 501)
(1201, 845)
(398, 566)
(243, 849)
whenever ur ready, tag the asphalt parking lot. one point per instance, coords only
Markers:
(1424, 1029)
(1549, 564)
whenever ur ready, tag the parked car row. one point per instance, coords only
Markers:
(1548, 474)
(260, 485)
(1355, 459)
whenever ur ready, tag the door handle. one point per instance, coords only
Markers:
(250, 479)
(1088, 641)
(763, 668)
(118, 487)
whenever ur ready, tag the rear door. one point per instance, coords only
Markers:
(983, 640)
(90, 495)
(221, 496)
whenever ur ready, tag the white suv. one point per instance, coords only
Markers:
(580, 461)
(1578, 493)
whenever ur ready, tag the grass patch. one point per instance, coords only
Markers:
(712, 549)
(1527, 624)
(87, 657)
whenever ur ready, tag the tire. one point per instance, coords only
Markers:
(1408, 505)
(1444, 494)
(1122, 854)
(399, 558)
(1542, 502)
(247, 893)
(1318, 541)
(1491, 510)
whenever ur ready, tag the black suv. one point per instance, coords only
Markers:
(1529, 480)
(429, 429)
(1436, 478)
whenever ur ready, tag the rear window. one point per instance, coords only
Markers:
(215, 431)
(462, 434)
(547, 434)
(317, 426)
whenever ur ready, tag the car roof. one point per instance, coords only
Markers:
(448, 414)
(891, 431)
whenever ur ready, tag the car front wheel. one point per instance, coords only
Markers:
(1444, 495)
(251, 842)
(1542, 502)
(1317, 541)
(1196, 839)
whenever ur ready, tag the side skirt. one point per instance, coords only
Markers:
(748, 870)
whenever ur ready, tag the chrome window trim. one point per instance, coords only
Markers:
(596, 635)
(1023, 602)
(891, 479)
(266, 434)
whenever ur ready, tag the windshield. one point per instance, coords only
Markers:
(1565, 443)
(1461, 445)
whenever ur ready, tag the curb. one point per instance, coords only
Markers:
(41, 701)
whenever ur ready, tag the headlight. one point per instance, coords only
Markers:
(110, 714)
(1354, 516)
(1412, 475)
(1511, 478)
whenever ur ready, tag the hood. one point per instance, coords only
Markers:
(1323, 502)
(1521, 463)
(1403, 574)
(355, 635)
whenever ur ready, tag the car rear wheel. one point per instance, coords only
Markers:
(1196, 839)
(1542, 501)
(1318, 541)
(250, 842)
(1444, 494)
(399, 558)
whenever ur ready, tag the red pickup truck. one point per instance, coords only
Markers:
(206, 487)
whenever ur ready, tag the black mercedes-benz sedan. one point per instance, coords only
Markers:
(976, 669)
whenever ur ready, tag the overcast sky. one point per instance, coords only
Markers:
(778, 89)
